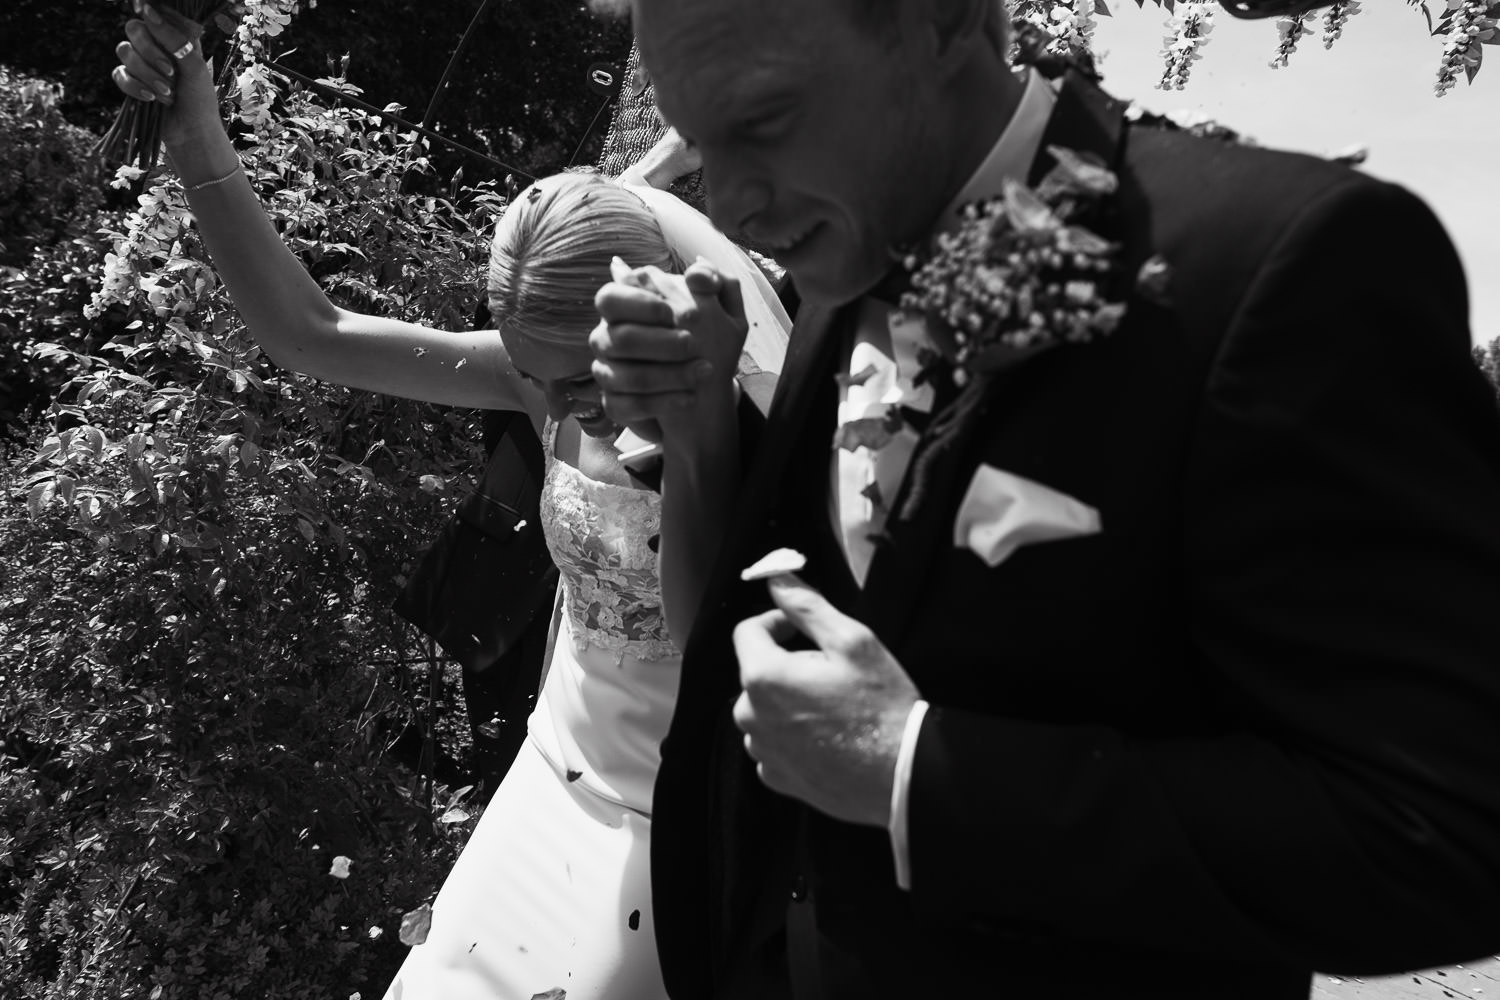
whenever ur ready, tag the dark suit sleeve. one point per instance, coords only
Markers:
(1341, 577)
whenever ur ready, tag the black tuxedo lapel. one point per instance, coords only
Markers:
(808, 355)
(711, 863)
(1084, 119)
(793, 471)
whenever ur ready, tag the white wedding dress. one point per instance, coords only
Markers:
(553, 890)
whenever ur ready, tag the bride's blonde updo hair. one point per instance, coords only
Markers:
(552, 249)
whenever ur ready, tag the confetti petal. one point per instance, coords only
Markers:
(1154, 280)
(858, 378)
(416, 925)
(775, 563)
(869, 432)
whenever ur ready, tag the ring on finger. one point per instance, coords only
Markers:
(184, 52)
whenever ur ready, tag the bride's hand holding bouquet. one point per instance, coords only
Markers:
(162, 67)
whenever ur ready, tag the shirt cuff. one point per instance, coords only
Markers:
(901, 794)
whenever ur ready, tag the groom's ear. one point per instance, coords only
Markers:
(957, 26)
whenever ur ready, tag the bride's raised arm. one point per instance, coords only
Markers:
(285, 310)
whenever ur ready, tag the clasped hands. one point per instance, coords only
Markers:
(667, 349)
(824, 725)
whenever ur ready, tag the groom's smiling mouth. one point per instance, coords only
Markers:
(792, 243)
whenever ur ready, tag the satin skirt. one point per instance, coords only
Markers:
(553, 890)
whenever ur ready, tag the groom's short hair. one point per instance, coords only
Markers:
(878, 16)
(882, 18)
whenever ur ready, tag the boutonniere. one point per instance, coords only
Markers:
(1023, 273)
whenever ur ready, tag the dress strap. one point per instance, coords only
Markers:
(549, 438)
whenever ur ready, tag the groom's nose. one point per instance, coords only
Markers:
(737, 193)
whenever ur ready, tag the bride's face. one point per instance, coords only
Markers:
(564, 375)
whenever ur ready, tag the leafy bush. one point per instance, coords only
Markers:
(47, 180)
(200, 681)
(44, 302)
(52, 205)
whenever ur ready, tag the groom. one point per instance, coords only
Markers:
(1181, 677)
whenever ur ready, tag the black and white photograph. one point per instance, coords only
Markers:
(749, 499)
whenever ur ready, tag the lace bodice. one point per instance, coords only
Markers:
(599, 535)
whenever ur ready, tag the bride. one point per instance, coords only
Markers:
(553, 890)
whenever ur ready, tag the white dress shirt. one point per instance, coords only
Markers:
(881, 365)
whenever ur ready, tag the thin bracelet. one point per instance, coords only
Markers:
(209, 184)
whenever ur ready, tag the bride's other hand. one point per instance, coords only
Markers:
(672, 157)
(161, 60)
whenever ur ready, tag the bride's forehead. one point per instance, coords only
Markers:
(547, 359)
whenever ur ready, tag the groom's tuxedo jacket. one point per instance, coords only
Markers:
(1249, 729)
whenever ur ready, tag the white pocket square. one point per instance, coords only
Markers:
(1002, 512)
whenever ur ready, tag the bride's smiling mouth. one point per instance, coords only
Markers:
(588, 413)
(593, 421)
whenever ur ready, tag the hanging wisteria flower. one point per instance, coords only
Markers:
(1291, 29)
(1188, 27)
(1337, 17)
(264, 19)
(1469, 25)
(1083, 22)
(125, 176)
(254, 94)
(150, 234)
(1056, 32)
(1072, 27)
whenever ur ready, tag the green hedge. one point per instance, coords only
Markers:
(204, 698)
(48, 182)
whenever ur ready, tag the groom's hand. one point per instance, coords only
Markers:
(824, 725)
(668, 345)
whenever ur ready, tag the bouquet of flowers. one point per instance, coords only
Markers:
(135, 137)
